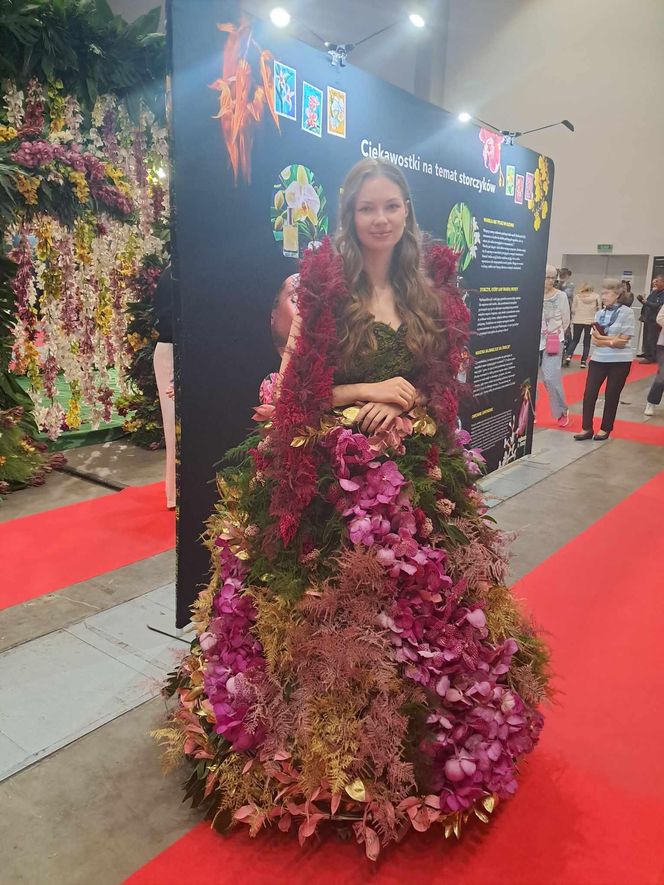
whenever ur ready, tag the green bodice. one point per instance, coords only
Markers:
(390, 359)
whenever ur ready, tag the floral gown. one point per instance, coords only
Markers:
(358, 657)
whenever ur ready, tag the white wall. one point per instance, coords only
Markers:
(593, 269)
(599, 63)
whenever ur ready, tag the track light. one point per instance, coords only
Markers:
(509, 135)
(338, 52)
(280, 17)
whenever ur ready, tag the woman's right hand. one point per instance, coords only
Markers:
(397, 391)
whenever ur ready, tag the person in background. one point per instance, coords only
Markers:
(284, 309)
(585, 305)
(565, 284)
(657, 388)
(651, 307)
(163, 370)
(555, 323)
(626, 297)
(611, 360)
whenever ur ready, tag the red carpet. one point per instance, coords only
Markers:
(51, 550)
(590, 807)
(574, 384)
(574, 381)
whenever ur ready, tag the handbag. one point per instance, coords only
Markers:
(552, 343)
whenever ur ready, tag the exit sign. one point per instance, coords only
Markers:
(605, 247)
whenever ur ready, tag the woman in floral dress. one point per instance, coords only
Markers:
(358, 658)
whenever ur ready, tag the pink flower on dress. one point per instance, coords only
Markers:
(462, 437)
(491, 151)
(268, 389)
(392, 439)
(348, 450)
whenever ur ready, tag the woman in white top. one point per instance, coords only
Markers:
(611, 360)
(585, 305)
(555, 323)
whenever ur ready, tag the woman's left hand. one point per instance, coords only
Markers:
(373, 417)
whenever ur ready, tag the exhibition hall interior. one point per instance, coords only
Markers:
(331, 442)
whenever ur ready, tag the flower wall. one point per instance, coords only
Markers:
(88, 204)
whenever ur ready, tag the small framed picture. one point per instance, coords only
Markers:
(285, 91)
(336, 112)
(518, 196)
(312, 109)
(510, 173)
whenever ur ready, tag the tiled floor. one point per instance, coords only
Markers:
(54, 611)
(71, 681)
(117, 462)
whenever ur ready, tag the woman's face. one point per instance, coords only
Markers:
(609, 297)
(283, 312)
(380, 214)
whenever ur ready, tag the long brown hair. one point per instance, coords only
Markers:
(416, 303)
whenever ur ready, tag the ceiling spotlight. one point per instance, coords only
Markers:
(417, 20)
(465, 117)
(280, 17)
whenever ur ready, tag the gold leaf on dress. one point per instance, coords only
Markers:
(349, 415)
(423, 423)
(357, 791)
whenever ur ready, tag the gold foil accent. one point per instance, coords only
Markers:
(349, 415)
(357, 791)
(423, 423)
(299, 441)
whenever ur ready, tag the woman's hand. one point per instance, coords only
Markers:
(609, 341)
(373, 417)
(395, 391)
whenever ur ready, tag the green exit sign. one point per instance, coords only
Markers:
(605, 247)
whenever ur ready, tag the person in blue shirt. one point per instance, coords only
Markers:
(610, 362)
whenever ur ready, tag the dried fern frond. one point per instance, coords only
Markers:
(171, 739)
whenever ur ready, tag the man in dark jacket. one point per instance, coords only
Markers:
(649, 311)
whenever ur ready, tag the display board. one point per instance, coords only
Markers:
(264, 130)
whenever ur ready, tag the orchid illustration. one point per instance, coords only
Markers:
(298, 191)
(304, 201)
